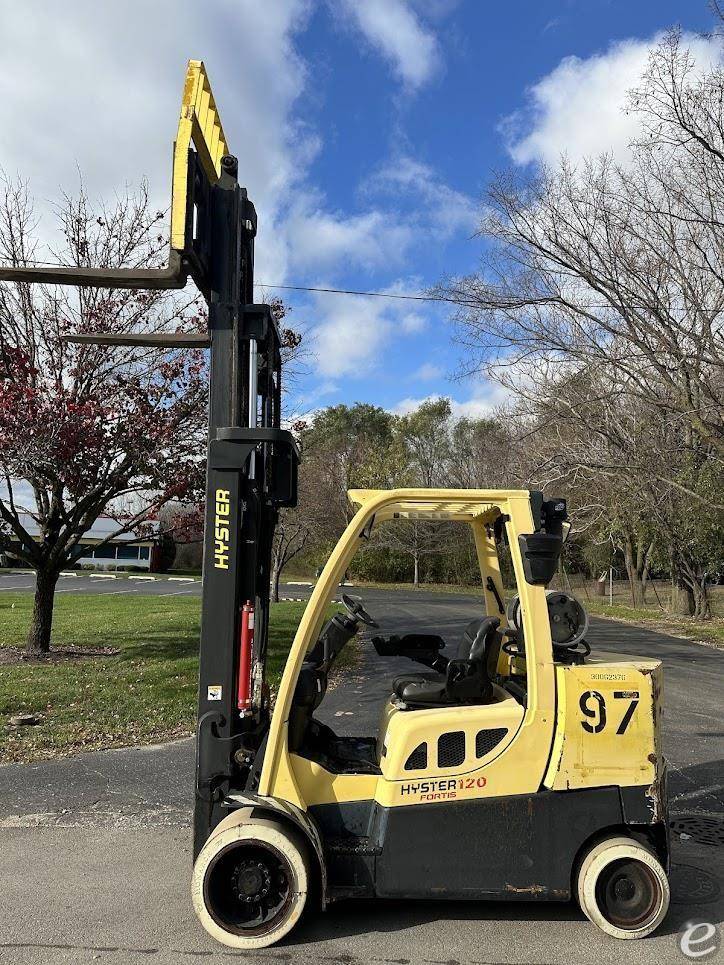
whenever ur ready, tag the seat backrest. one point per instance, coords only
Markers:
(475, 638)
(468, 639)
(468, 680)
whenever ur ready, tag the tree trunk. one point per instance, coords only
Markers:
(702, 604)
(416, 578)
(38, 640)
(275, 575)
(631, 571)
(645, 576)
(691, 596)
(643, 556)
(682, 599)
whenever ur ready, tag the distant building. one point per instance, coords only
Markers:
(124, 551)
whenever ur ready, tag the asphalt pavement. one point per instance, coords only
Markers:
(95, 857)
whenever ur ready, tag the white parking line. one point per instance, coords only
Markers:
(17, 586)
(175, 593)
(116, 592)
(181, 579)
(71, 589)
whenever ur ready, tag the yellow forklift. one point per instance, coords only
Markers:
(521, 768)
(516, 765)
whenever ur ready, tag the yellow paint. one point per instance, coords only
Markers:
(487, 553)
(520, 764)
(545, 743)
(200, 124)
(318, 786)
(584, 757)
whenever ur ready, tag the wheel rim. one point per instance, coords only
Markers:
(248, 888)
(628, 893)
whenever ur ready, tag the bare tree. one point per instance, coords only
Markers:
(600, 307)
(635, 478)
(616, 264)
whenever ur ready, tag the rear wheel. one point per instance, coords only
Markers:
(250, 882)
(623, 888)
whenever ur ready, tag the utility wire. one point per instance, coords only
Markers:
(351, 291)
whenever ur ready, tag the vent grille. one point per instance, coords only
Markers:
(451, 749)
(417, 759)
(487, 740)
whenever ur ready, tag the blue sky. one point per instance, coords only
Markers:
(366, 132)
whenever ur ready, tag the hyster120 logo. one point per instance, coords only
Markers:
(221, 529)
(441, 790)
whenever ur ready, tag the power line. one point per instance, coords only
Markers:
(551, 299)
(352, 291)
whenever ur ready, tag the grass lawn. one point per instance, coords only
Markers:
(144, 693)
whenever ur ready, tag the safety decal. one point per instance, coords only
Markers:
(213, 692)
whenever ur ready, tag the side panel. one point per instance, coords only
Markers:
(522, 846)
(607, 729)
(484, 767)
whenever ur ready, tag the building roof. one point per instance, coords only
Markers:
(101, 529)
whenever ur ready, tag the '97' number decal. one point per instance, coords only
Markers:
(593, 708)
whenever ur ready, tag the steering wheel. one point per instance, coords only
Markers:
(357, 611)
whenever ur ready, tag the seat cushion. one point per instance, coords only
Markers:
(401, 681)
(426, 693)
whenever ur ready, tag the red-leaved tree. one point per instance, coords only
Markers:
(87, 429)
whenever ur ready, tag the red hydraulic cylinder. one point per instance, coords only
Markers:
(246, 646)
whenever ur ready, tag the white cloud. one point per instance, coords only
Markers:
(307, 401)
(89, 89)
(395, 30)
(413, 323)
(578, 108)
(319, 239)
(352, 334)
(483, 401)
(428, 372)
(436, 203)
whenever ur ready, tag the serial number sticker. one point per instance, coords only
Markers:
(214, 692)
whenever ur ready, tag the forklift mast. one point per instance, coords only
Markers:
(251, 461)
(252, 472)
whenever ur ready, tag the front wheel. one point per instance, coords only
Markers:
(250, 882)
(623, 888)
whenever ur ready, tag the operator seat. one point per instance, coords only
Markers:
(467, 679)
(463, 652)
